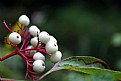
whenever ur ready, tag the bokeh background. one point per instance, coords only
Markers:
(82, 27)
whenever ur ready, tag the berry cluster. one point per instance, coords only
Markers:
(34, 44)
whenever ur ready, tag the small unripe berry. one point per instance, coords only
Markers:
(53, 39)
(15, 38)
(39, 56)
(34, 30)
(34, 41)
(24, 20)
(44, 37)
(56, 57)
(51, 47)
(38, 66)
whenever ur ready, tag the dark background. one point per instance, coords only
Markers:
(82, 27)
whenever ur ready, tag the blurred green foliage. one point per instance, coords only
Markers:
(82, 27)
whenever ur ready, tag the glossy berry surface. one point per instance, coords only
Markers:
(34, 30)
(38, 66)
(14, 38)
(53, 39)
(44, 37)
(34, 41)
(39, 56)
(51, 47)
(56, 57)
(24, 20)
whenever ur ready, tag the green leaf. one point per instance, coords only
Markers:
(91, 67)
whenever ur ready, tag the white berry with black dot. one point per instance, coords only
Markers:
(39, 56)
(38, 66)
(56, 57)
(51, 47)
(34, 30)
(15, 38)
(24, 20)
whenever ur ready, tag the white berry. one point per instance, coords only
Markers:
(38, 66)
(39, 56)
(56, 57)
(34, 30)
(51, 47)
(15, 38)
(44, 37)
(53, 39)
(24, 20)
(34, 41)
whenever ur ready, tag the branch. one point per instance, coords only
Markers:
(9, 55)
(7, 26)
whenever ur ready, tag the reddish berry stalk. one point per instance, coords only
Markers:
(32, 51)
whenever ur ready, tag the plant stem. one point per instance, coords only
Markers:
(23, 44)
(44, 75)
(7, 26)
(9, 55)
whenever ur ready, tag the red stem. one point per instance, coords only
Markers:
(7, 26)
(23, 44)
(26, 37)
(22, 55)
(43, 75)
(40, 50)
(9, 55)
(27, 44)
